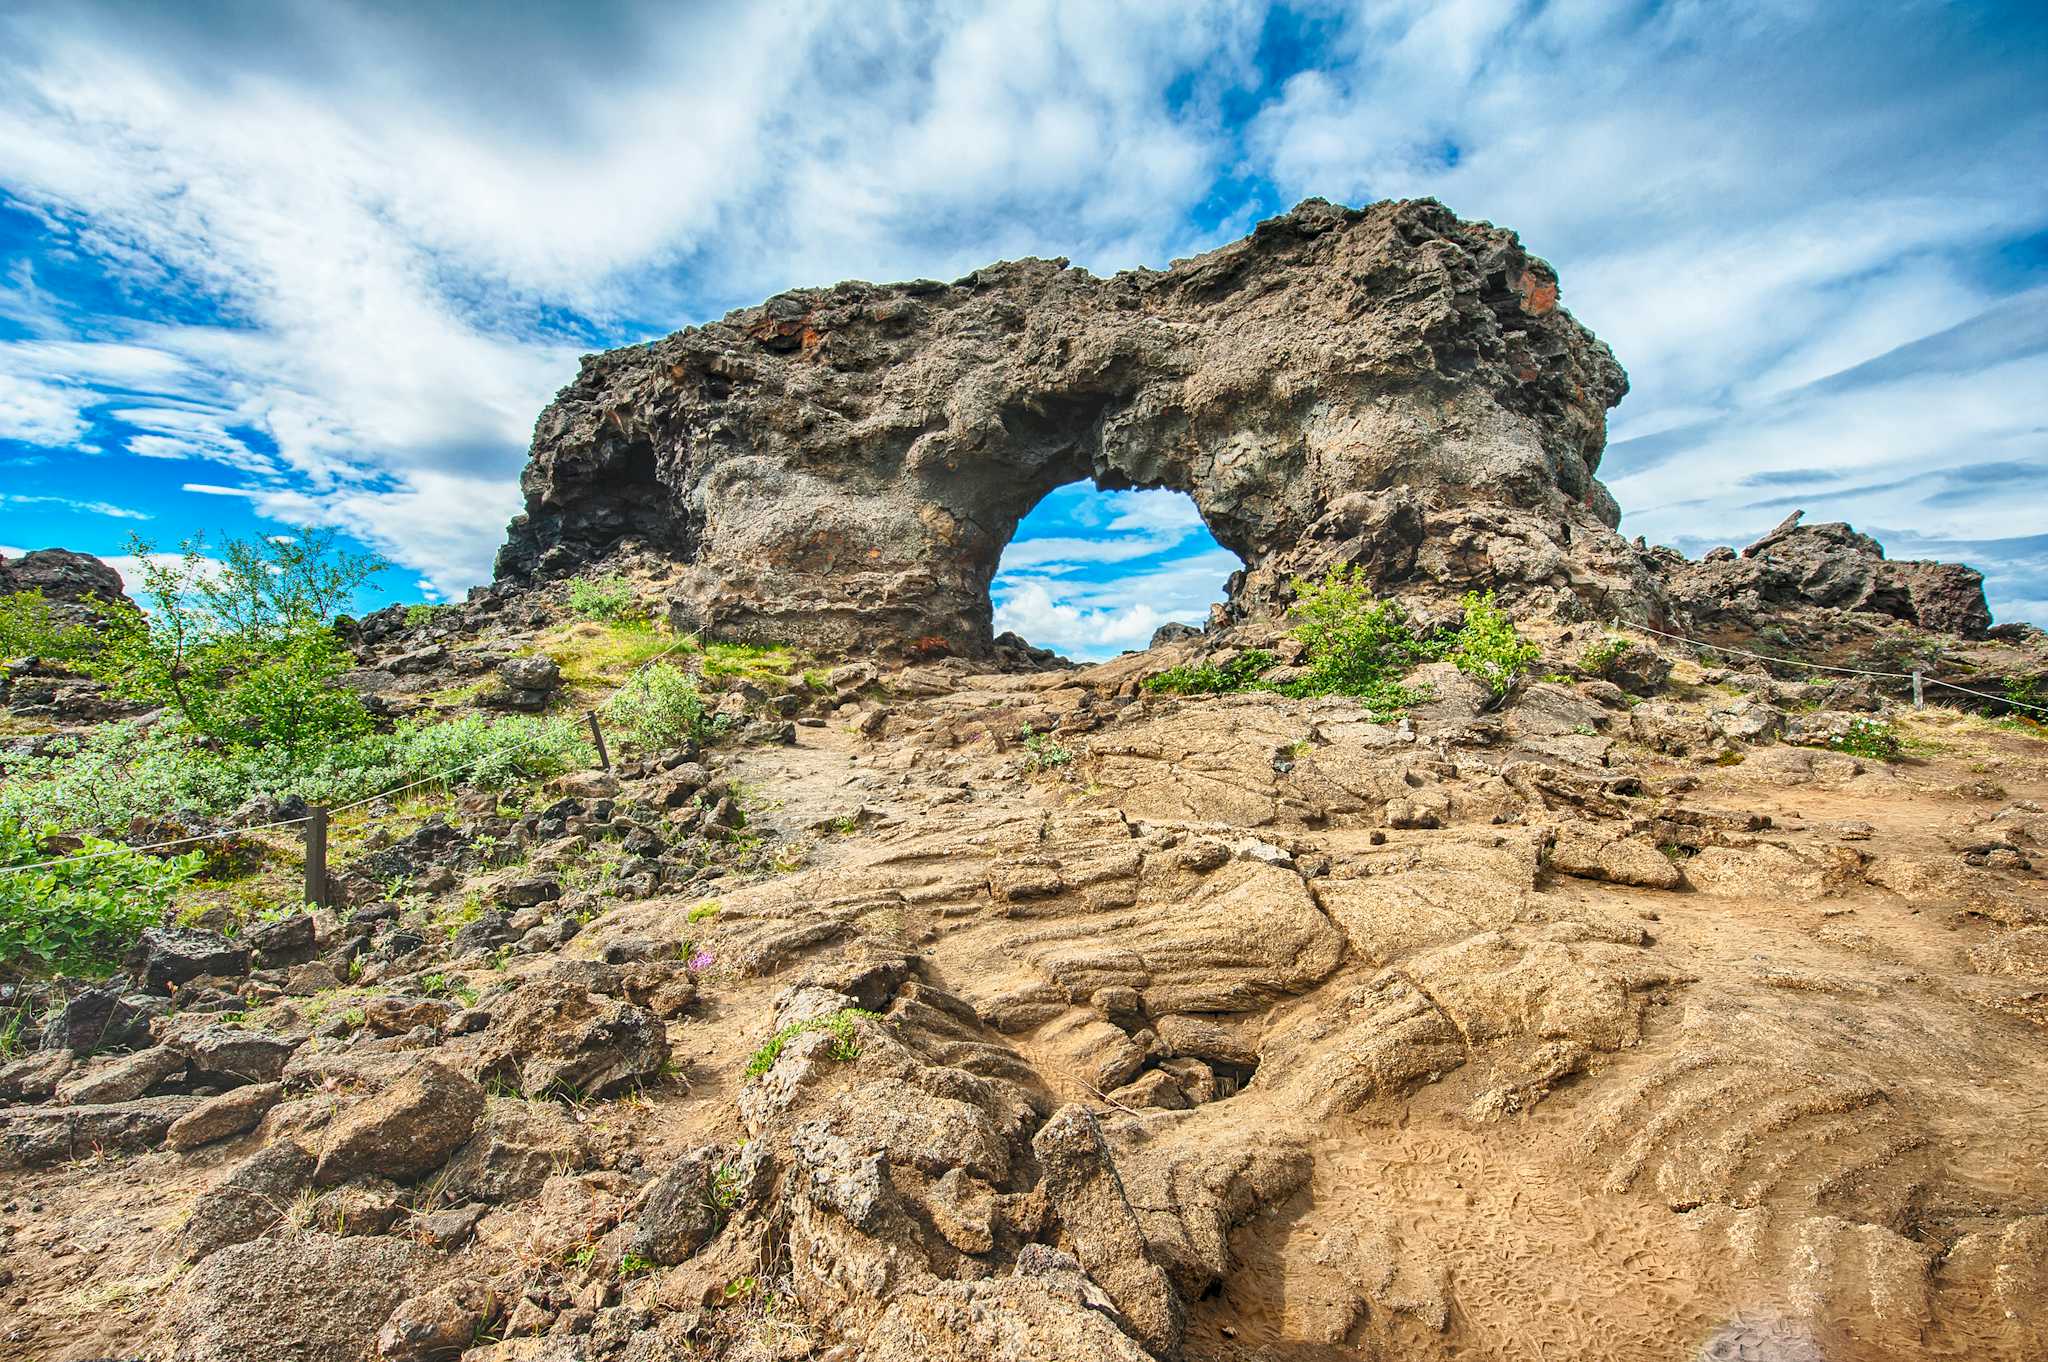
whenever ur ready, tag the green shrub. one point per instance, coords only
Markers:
(845, 1044)
(1601, 656)
(1356, 645)
(80, 916)
(1489, 650)
(1870, 738)
(609, 600)
(417, 615)
(662, 707)
(1240, 673)
(1045, 751)
(27, 630)
(121, 771)
(240, 647)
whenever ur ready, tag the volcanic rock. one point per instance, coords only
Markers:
(843, 466)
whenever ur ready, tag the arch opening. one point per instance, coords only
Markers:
(1091, 573)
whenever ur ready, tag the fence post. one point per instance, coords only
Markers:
(604, 758)
(316, 855)
(1916, 688)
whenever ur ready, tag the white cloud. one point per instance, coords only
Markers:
(358, 223)
(105, 508)
(39, 413)
(1098, 619)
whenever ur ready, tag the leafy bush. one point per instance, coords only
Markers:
(28, 630)
(492, 753)
(420, 614)
(662, 707)
(80, 916)
(1358, 646)
(609, 600)
(1870, 738)
(1601, 656)
(121, 771)
(241, 646)
(1489, 650)
(1240, 673)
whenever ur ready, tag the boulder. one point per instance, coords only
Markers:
(235, 1054)
(1080, 1183)
(550, 1037)
(65, 579)
(218, 1118)
(288, 941)
(396, 1016)
(124, 1080)
(165, 957)
(518, 1146)
(1593, 851)
(299, 1298)
(251, 1200)
(34, 1076)
(681, 1212)
(404, 1132)
(39, 1136)
(439, 1324)
(105, 1018)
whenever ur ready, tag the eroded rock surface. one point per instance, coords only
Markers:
(843, 466)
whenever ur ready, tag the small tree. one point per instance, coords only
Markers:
(242, 649)
(1489, 650)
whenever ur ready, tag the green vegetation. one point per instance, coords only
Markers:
(14, 1037)
(1240, 673)
(725, 1187)
(80, 915)
(28, 630)
(708, 908)
(1045, 751)
(417, 615)
(1601, 656)
(241, 647)
(608, 600)
(633, 1265)
(767, 664)
(2027, 690)
(1358, 646)
(845, 1044)
(1870, 738)
(661, 707)
(122, 771)
(1489, 650)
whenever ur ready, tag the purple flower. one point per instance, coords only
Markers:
(699, 962)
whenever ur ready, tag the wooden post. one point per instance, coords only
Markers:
(604, 758)
(316, 855)
(1916, 688)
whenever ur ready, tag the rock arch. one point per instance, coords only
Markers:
(842, 467)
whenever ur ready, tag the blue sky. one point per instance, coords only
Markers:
(276, 263)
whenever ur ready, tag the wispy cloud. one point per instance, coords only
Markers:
(105, 508)
(338, 257)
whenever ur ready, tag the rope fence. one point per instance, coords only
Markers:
(315, 819)
(1916, 677)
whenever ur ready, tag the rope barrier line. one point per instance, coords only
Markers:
(150, 846)
(1822, 667)
(602, 705)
